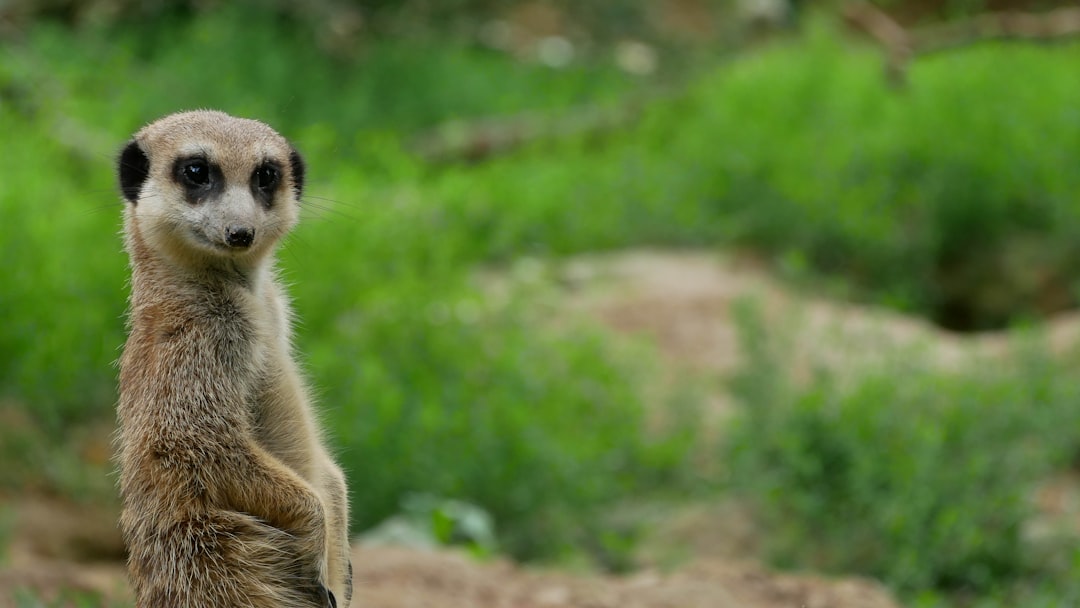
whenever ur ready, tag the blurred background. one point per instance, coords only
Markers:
(617, 302)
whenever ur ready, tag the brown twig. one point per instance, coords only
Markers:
(902, 45)
(874, 22)
(477, 140)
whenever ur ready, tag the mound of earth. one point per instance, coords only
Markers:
(686, 302)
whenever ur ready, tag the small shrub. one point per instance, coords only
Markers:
(427, 521)
(918, 477)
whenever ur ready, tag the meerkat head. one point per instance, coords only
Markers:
(205, 187)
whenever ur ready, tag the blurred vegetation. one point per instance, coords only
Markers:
(426, 385)
(954, 199)
(919, 477)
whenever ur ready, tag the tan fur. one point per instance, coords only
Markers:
(230, 497)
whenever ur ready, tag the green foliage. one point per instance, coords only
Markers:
(430, 521)
(7, 523)
(67, 117)
(64, 283)
(432, 392)
(425, 387)
(24, 598)
(952, 199)
(394, 85)
(915, 476)
(927, 199)
(1049, 587)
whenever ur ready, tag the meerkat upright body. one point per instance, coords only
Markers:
(230, 497)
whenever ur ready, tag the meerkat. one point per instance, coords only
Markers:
(230, 497)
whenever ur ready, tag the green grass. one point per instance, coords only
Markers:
(63, 599)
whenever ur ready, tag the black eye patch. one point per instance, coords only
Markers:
(266, 177)
(199, 178)
(265, 180)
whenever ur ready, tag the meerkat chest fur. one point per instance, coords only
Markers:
(288, 432)
(230, 496)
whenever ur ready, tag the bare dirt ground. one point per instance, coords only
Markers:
(60, 552)
(46, 560)
(684, 302)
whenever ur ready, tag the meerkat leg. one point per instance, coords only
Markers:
(339, 551)
(249, 519)
(221, 559)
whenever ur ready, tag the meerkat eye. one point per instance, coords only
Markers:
(266, 177)
(195, 173)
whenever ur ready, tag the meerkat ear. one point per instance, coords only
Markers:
(133, 169)
(298, 169)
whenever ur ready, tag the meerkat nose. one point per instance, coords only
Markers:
(240, 237)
